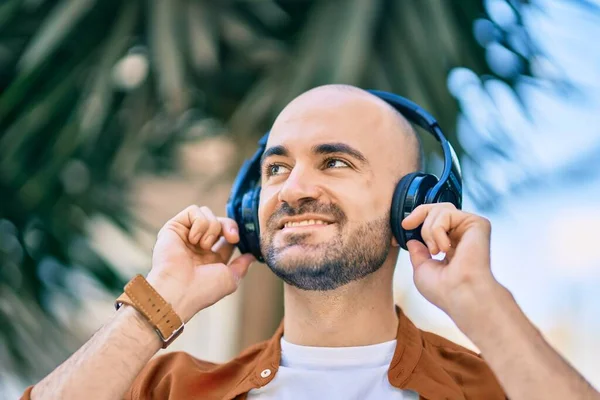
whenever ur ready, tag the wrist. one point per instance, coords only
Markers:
(173, 293)
(141, 295)
(475, 304)
(141, 328)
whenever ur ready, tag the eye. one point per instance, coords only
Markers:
(335, 163)
(275, 169)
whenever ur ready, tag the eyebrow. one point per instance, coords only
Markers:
(274, 151)
(340, 148)
(325, 148)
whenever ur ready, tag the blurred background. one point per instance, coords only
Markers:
(116, 115)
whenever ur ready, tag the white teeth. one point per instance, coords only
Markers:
(305, 222)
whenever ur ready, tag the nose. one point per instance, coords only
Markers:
(299, 187)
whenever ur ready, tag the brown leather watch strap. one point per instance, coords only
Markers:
(141, 296)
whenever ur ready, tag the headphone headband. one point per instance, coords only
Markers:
(451, 174)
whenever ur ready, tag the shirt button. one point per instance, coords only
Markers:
(265, 373)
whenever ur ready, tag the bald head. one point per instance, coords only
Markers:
(373, 117)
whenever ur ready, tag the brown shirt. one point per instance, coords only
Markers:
(423, 362)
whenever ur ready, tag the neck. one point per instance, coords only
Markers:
(357, 314)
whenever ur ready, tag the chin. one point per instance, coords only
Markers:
(298, 254)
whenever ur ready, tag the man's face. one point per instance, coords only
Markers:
(328, 175)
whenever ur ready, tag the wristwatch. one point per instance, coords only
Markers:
(140, 295)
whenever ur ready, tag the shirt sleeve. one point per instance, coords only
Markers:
(27, 393)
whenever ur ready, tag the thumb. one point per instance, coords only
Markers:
(239, 266)
(419, 253)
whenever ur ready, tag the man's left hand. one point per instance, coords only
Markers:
(454, 283)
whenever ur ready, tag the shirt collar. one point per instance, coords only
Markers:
(406, 357)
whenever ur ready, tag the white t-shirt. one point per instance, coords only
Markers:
(333, 373)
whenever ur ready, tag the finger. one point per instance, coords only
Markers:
(183, 217)
(199, 224)
(223, 248)
(229, 229)
(418, 215)
(181, 223)
(211, 235)
(239, 266)
(418, 252)
(440, 228)
(427, 232)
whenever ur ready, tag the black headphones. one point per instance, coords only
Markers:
(413, 189)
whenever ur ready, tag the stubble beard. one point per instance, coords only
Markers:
(337, 262)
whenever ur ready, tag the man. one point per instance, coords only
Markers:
(324, 223)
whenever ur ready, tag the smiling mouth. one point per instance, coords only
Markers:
(309, 223)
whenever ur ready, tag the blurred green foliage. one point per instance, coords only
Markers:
(97, 93)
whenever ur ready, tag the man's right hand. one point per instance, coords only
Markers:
(190, 268)
(189, 271)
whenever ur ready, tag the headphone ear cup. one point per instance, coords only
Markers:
(248, 224)
(410, 193)
(397, 213)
